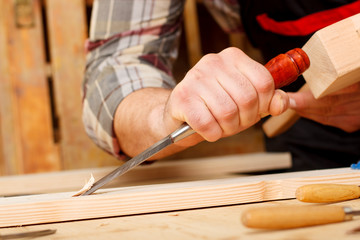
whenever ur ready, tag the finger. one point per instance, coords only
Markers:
(244, 106)
(215, 92)
(256, 73)
(350, 89)
(351, 108)
(189, 103)
(279, 103)
(304, 101)
(348, 123)
(222, 107)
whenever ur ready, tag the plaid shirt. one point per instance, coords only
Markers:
(132, 45)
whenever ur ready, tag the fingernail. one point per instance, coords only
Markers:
(292, 103)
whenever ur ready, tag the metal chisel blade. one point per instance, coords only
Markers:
(135, 161)
(31, 234)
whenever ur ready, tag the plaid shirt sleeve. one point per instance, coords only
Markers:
(132, 45)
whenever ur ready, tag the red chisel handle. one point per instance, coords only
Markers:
(285, 68)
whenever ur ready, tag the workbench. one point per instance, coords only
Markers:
(216, 222)
(208, 223)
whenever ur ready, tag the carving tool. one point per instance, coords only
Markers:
(326, 193)
(284, 68)
(285, 217)
(31, 234)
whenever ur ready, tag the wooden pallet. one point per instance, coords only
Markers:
(40, 103)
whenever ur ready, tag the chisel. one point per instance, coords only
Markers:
(284, 68)
(285, 217)
(326, 193)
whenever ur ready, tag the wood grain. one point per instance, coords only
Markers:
(206, 223)
(334, 53)
(161, 171)
(27, 145)
(163, 197)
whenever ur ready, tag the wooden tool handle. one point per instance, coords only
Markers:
(325, 193)
(285, 68)
(283, 217)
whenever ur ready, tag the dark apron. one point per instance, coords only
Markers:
(312, 145)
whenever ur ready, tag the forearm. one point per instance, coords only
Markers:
(139, 122)
(125, 57)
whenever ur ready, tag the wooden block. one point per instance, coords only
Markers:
(334, 54)
(169, 171)
(67, 34)
(26, 124)
(59, 207)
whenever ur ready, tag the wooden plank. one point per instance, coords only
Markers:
(26, 124)
(59, 207)
(67, 34)
(11, 152)
(169, 171)
(207, 223)
(334, 53)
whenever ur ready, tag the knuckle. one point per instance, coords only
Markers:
(232, 51)
(196, 74)
(248, 99)
(229, 113)
(211, 59)
(205, 126)
(266, 84)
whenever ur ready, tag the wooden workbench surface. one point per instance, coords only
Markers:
(209, 223)
(221, 222)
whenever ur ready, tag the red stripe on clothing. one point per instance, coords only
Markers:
(310, 23)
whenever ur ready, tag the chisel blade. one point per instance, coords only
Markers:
(135, 161)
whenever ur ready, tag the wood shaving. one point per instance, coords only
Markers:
(86, 187)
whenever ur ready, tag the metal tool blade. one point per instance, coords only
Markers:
(135, 161)
(182, 132)
(31, 234)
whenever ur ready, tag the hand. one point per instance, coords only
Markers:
(224, 94)
(340, 109)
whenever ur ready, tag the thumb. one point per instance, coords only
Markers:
(279, 103)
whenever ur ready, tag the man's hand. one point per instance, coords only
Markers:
(222, 95)
(340, 109)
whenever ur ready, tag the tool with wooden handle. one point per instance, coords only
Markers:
(30, 234)
(285, 68)
(285, 217)
(334, 52)
(327, 193)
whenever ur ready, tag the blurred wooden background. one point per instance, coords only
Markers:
(41, 69)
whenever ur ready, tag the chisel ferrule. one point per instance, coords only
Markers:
(349, 213)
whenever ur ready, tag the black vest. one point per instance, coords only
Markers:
(312, 145)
